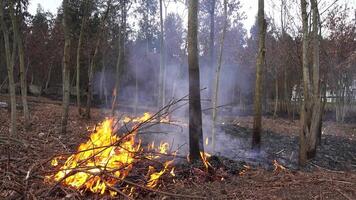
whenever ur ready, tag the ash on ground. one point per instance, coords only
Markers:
(334, 153)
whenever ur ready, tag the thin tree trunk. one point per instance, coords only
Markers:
(66, 63)
(276, 97)
(120, 59)
(90, 79)
(103, 92)
(118, 73)
(217, 76)
(80, 41)
(48, 77)
(211, 38)
(136, 89)
(162, 66)
(257, 120)
(195, 116)
(20, 47)
(10, 69)
(94, 60)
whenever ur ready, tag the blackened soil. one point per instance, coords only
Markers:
(335, 153)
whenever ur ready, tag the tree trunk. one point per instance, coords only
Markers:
(94, 60)
(217, 75)
(66, 62)
(316, 115)
(257, 120)
(286, 93)
(211, 40)
(120, 59)
(10, 69)
(276, 97)
(90, 79)
(103, 89)
(136, 90)
(80, 41)
(48, 77)
(195, 116)
(311, 109)
(162, 66)
(18, 38)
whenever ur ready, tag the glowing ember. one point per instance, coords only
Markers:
(277, 166)
(106, 158)
(246, 168)
(204, 157)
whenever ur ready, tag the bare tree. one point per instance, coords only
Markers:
(162, 67)
(311, 107)
(94, 58)
(79, 47)
(66, 63)
(10, 59)
(212, 34)
(121, 55)
(257, 120)
(195, 119)
(15, 19)
(217, 74)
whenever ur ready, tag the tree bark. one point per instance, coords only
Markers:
(217, 76)
(211, 37)
(195, 116)
(18, 38)
(120, 59)
(66, 63)
(79, 47)
(257, 120)
(276, 96)
(161, 100)
(103, 89)
(306, 85)
(48, 77)
(10, 69)
(311, 109)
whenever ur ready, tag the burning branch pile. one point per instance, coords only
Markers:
(107, 160)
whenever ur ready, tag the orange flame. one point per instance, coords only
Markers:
(106, 153)
(204, 156)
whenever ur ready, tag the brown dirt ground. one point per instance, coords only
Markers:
(30, 152)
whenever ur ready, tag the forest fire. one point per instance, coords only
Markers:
(106, 159)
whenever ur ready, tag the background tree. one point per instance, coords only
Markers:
(121, 54)
(217, 73)
(16, 16)
(10, 60)
(86, 7)
(94, 58)
(162, 67)
(66, 63)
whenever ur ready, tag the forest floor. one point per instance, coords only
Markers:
(332, 175)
